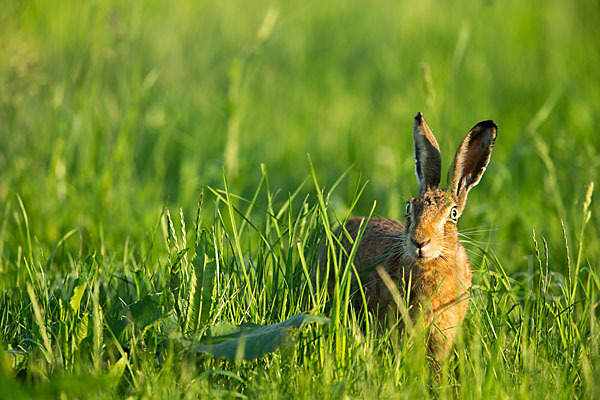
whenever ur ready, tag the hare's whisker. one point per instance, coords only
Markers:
(473, 241)
(479, 229)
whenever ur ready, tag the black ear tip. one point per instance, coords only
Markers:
(419, 117)
(489, 124)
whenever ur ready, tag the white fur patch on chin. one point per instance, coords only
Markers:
(425, 258)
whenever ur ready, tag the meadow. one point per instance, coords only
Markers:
(171, 169)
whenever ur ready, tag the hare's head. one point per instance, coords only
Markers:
(431, 218)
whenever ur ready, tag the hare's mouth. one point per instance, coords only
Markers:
(420, 256)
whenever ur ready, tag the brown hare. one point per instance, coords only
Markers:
(423, 255)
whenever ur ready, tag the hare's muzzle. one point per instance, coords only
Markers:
(420, 249)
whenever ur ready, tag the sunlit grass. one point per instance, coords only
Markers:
(115, 117)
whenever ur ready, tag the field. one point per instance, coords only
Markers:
(170, 169)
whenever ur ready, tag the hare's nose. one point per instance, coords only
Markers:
(420, 248)
(419, 245)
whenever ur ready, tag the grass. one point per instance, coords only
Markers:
(115, 117)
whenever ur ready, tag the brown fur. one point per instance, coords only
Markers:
(425, 250)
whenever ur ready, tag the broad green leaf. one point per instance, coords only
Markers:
(12, 359)
(223, 331)
(251, 341)
(175, 272)
(116, 371)
(207, 279)
(146, 311)
(228, 374)
(81, 329)
(175, 279)
(118, 327)
(202, 283)
(77, 296)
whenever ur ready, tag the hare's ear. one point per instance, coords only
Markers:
(428, 161)
(472, 157)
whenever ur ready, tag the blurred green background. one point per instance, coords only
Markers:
(110, 109)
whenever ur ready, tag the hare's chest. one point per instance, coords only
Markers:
(437, 290)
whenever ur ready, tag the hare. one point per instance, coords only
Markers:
(423, 255)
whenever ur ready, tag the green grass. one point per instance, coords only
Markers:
(116, 116)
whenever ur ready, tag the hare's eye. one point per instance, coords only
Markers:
(454, 213)
(408, 208)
